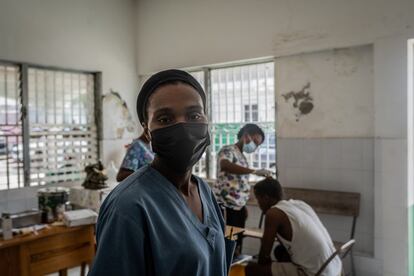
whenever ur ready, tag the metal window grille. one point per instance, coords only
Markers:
(200, 169)
(11, 161)
(48, 130)
(63, 134)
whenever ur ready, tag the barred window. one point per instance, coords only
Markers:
(239, 95)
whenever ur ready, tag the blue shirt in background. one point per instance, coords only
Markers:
(146, 228)
(138, 155)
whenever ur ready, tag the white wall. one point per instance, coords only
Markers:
(332, 147)
(96, 35)
(185, 33)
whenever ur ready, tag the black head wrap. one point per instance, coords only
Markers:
(160, 78)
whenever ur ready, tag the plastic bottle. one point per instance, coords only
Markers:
(7, 227)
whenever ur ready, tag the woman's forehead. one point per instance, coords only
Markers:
(174, 96)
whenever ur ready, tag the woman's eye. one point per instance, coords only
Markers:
(163, 120)
(195, 116)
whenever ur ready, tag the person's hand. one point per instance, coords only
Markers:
(262, 172)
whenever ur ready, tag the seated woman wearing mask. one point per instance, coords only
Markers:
(162, 220)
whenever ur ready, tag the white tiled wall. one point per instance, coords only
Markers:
(391, 228)
(17, 200)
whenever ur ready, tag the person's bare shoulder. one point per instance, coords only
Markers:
(273, 216)
(276, 216)
(274, 212)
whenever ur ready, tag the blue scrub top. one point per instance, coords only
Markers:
(146, 228)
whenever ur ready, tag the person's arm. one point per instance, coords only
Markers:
(230, 167)
(272, 224)
(123, 173)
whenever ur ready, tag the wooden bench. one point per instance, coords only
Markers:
(323, 202)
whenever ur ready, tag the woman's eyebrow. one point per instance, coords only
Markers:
(163, 110)
(195, 108)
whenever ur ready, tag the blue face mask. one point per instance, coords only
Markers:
(250, 147)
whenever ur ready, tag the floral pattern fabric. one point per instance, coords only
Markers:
(233, 190)
(138, 155)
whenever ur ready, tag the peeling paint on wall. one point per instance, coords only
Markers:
(302, 101)
(117, 119)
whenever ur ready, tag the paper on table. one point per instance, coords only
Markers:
(79, 217)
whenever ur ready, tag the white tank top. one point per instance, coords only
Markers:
(311, 244)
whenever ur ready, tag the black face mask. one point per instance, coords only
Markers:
(180, 146)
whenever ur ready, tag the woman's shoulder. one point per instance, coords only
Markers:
(201, 181)
(228, 149)
(131, 191)
(203, 186)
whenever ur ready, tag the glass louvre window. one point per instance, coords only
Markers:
(251, 113)
(240, 95)
(63, 134)
(11, 155)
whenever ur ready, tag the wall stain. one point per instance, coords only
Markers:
(302, 101)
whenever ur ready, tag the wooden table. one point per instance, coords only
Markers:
(54, 250)
(51, 250)
(236, 231)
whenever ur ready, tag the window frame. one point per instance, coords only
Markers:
(24, 103)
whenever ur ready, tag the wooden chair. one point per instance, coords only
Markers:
(341, 252)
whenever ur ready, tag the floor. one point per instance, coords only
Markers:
(71, 272)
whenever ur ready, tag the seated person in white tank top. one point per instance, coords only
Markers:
(298, 229)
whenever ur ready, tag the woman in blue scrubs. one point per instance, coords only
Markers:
(162, 220)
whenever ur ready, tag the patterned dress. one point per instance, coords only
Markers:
(233, 190)
(138, 155)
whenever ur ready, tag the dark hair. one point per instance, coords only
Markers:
(270, 187)
(250, 129)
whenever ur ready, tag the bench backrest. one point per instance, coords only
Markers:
(323, 201)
